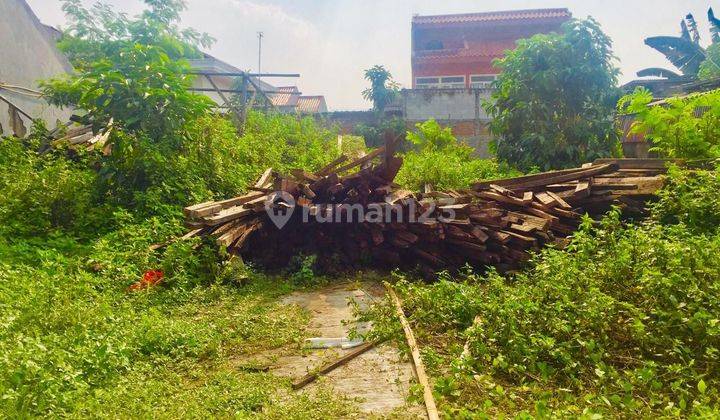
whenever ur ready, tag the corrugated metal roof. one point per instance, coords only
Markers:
(509, 15)
(311, 104)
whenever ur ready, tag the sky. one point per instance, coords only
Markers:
(331, 42)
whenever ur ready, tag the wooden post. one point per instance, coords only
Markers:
(417, 361)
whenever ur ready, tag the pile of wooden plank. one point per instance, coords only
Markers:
(352, 218)
(82, 137)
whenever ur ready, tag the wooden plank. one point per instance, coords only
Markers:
(556, 211)
(523, 184)
(501, 198)
(329, 167)
(430, 406)
(559, 200)
(500, 190)
(264, 178)
(329, 367)
(307, 191)
(429, 257)
(638, 163)
(201, 210)
(227, 215)
(370, 156)
(545, 199)
(504, 182)
(582, 190)
(467, 245)
(527, 197)
(304, 176)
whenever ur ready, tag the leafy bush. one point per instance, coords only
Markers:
(553, 102)
(690, 197)
(440, 160)
(623, 323)
(686, 127)
(374, 134)
(39, 193)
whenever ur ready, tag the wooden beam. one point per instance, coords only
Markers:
(370, 156)
(415, 352)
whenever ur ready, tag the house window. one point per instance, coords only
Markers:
(426, 82)
(452, 82)
(482, 81)
(440, 82)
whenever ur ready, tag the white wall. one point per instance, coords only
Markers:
(27, 55)
(444, 104)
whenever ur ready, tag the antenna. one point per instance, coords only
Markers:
(260, 37)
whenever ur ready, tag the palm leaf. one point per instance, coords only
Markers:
(684, 33)
(659, 72)
(692, 28)
(683, 54)
(714, 26)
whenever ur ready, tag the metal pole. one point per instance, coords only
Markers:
(260, 37)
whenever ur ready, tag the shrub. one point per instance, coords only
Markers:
(623, 323)
(43, 192)
(685, 127)
(691, 198)
(440, 160)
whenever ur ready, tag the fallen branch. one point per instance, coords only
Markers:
(312, 376)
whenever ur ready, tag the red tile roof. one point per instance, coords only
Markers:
(510, 15)
(287, 96)
(311, 104)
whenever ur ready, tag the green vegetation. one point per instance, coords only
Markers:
(690, 199)
(687, 127)
(76, 229)
(624, 323)
(437, 158)
(553, 101)
(383, 89)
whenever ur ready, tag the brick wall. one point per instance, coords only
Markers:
(459, 109)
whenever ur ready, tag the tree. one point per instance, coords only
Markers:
(685, 52)
(553, 100)
(134, 72)
(710, 68)
(382, 88)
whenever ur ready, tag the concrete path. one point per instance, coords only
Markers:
(378, 379)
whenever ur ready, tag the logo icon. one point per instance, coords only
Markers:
(280, 206)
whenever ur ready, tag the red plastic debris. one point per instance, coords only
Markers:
(149, 278)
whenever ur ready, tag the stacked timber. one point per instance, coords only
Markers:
(83, 137)
(362, 217)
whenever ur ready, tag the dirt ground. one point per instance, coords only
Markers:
(379, 379)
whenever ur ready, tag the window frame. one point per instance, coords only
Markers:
(439, 82)
(484, 84)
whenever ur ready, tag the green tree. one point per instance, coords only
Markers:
(133, 72)
(685, 52)
(383, 88)
(553, 101)
(130, 70)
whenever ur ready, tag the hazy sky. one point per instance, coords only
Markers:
(331, 42)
